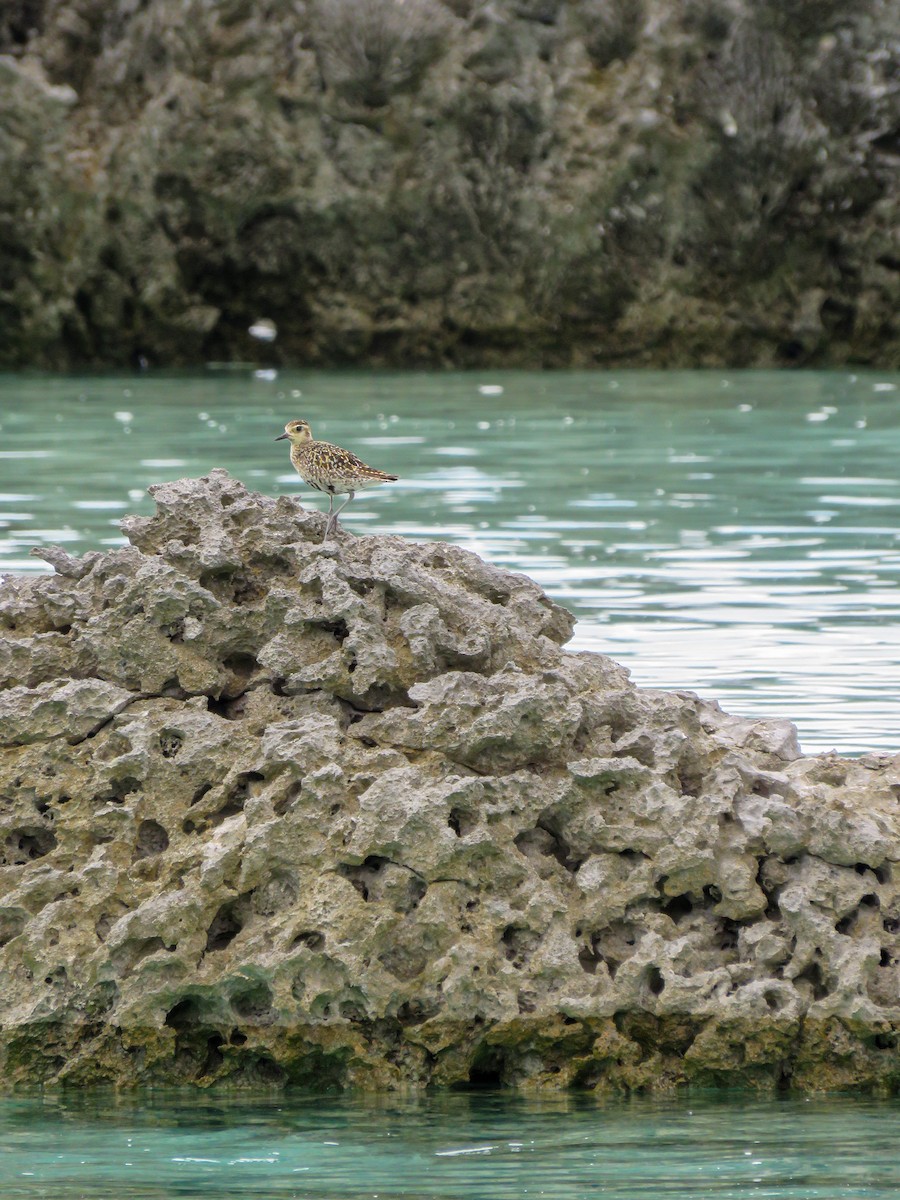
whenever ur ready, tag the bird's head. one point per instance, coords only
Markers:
(298, 432)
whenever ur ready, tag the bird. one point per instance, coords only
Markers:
(329, 468)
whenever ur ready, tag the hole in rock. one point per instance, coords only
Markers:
(678, 907)
(812, 974)
(791, 350)
(461, 821)
(518, 944)
(254, 1006)
(417, 1011)
(337, 628)
(170, 743)
(130, 953)
(240, 664)
(104, 923)
(229, 708)
(237, 1038)
(311, 938)
(655, 981)
(151, 839)
(415, 891)
(690, 770)
(226, 925)
(543, 841)
(885, 959)
(118, 790)
(183, 1015)
(726, 936)
(234, 586)
(487, 1066)
(633, 856)
(25, 845)
(884, 1041)
(589, 960)
(200, 793)
(237, 796)
(265, 1070)
(870, 900)
(214, 1056)
(364, 876)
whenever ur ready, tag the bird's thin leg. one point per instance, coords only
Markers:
(338, 511)
(329, 524)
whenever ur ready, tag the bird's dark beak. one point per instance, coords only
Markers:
(281, 439)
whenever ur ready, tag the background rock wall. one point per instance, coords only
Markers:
(528, 182)
(273, 811)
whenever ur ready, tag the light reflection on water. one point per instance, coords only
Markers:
(447, 1147)
(738, 535)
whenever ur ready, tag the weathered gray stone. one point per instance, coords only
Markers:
(273, 811)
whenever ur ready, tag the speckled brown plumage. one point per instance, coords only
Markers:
(329, 468)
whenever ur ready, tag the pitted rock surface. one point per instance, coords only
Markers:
(273, 811)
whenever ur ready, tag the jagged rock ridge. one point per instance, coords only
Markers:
(348, 814)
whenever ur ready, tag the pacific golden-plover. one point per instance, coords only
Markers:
(329, 468)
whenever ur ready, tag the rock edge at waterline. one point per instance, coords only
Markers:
(282, 812)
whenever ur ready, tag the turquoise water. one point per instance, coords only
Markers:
(736, 534)
(456, 1147)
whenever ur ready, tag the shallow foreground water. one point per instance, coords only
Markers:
(451, 1147)
(734, 534)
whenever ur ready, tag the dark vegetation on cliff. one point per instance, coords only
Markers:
(416, 181)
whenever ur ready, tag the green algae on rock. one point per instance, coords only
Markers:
(349, 815)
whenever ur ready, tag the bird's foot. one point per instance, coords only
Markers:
(330, 527)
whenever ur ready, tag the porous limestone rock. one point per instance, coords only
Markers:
(273, 810)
